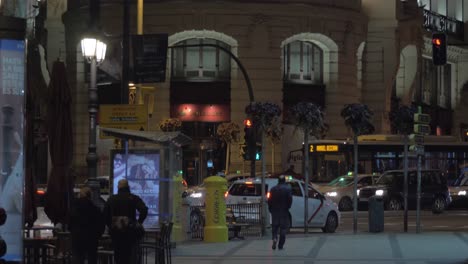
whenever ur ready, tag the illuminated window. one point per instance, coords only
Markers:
(303, 62)
(200, 63)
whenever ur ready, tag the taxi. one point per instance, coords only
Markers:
(323, 212)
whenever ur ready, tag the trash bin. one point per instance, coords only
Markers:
(376, 214)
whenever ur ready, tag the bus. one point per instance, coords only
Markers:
(329, 159)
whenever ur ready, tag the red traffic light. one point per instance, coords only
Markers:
(248, 123)
(437, 41)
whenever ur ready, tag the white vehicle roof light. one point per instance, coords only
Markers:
(196, 195)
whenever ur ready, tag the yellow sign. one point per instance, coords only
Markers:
(132, 117)
(323, 148)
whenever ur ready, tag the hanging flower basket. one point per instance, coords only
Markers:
(228, 132)
(170, 125)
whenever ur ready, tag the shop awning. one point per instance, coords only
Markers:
(177, 138)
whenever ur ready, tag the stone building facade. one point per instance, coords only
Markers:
(330, 52)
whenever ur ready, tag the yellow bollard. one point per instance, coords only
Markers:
(178, 189)
(215, 207)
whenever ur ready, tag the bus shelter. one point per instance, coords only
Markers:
(154, 171)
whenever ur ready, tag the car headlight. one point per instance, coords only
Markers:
(196, 195)
(379, 192)
(331, 194)
(358, 192)
(462, 192)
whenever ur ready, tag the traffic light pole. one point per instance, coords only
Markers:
(418, 202)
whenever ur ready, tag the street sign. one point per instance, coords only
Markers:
(149, 57)
(132, 117)
(416, 139)
(418, 149)
(422, 118)
(422, 129)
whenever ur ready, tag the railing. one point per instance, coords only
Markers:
(242, 220)
(437, 22)
(348, 4)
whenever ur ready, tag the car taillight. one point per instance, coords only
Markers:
(40, 192)
(268, 195)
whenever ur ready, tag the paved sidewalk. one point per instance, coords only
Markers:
(319, 248)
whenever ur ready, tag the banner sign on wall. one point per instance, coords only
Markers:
(149, 57)
(12, 86)
(201, 112)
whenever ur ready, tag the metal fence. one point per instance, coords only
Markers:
(243, 220)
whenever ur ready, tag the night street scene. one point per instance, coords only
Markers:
(233, 131)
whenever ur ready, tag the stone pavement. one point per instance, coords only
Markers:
(320, 248)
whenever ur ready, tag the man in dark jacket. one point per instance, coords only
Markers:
(120, 214)
(86, 227)
(279, 203)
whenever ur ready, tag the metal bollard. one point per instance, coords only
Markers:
(376, 214)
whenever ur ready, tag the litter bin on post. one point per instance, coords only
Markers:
(376, 214)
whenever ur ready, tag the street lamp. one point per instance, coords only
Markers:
(94, 51)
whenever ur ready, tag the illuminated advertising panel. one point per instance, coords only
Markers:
(141, 169)
(12, 85)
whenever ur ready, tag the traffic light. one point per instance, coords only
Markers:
(246, 154)
(250, 138)
(439, 48)
(249, 133)
(465, 135)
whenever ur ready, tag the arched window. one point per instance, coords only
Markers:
(303, 62)
(200, 63)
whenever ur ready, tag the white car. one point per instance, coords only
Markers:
(195, 195)
(323, 213)
(340, 190)
(459, 190)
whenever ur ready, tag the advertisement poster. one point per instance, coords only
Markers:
(142, 172)
(12, 85)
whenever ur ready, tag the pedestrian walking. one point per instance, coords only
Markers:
(120, 213)
(278, 204)
(86, 227)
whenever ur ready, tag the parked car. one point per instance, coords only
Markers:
(340, 190)
(434, 190)
(323, 212)
(459, 189)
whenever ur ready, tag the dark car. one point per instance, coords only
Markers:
(434, 190)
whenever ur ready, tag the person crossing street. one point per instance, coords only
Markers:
(278, 204)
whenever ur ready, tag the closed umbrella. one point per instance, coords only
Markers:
(59, 130)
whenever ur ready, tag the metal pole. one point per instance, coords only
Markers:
(91, 158)
(125, 51)
(418, 202)
(405, 186)
(265, 219)
(306, 177)
(355, 203)
(140, 17)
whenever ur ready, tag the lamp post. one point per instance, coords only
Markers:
(94, 51)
